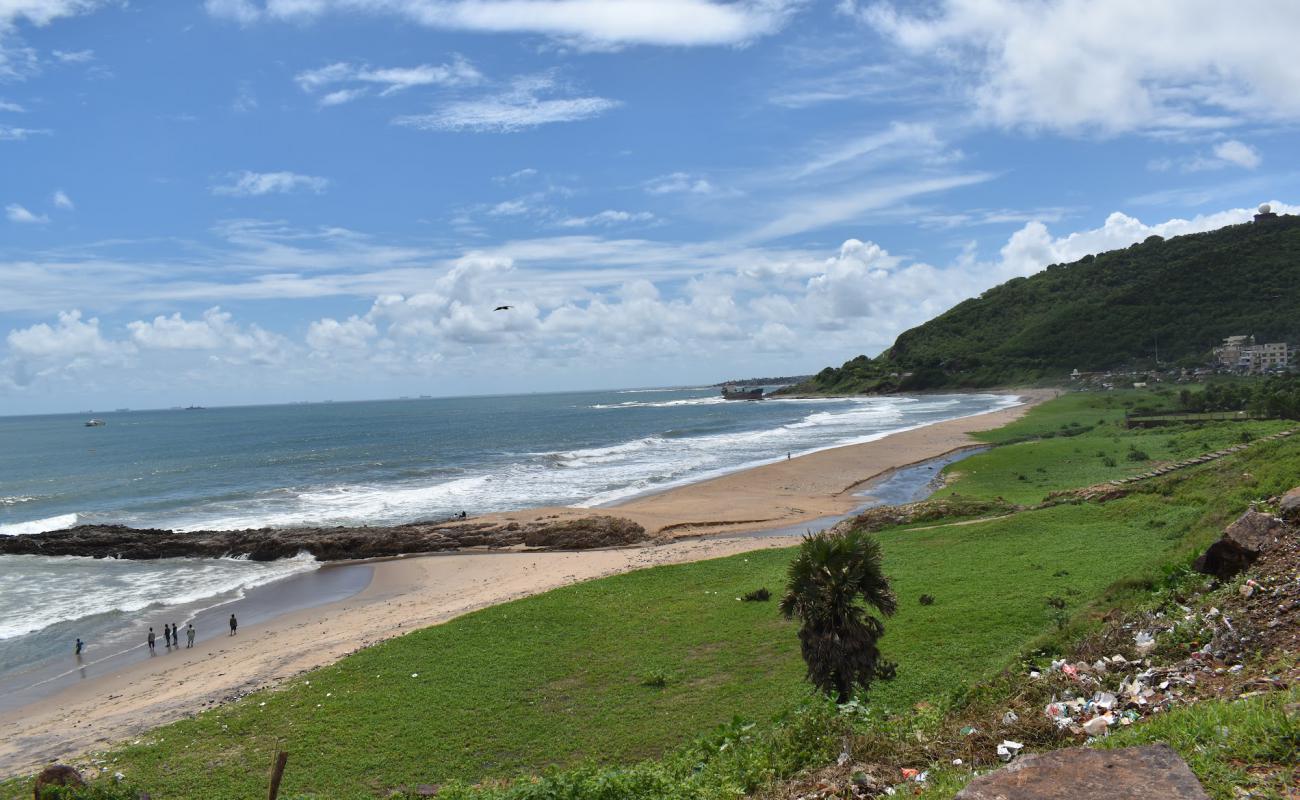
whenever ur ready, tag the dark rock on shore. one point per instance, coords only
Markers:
(1242, 542)
(1289, 506)
(586, 533)
(326, 544)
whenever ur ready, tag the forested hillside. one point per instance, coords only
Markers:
(1182, 296)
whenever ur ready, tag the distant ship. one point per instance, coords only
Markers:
(94, 423)
(742, 392)
(195, 408)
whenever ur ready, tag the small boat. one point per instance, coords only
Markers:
(742, 392)
(95, 423)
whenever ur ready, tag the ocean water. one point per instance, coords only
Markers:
(366, 463)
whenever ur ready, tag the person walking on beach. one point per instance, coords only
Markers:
(189, 635)
(167, 635)
(80, 646)
(176, 636)
(151, 640)
(233, 624)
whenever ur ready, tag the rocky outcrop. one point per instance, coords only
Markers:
(586, 533)
(1253, 534)
(1154, 772)
(326, 544)
(954, 506)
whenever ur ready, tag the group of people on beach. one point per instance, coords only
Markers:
(171, 636)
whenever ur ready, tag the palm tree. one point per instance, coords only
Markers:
(832, 585)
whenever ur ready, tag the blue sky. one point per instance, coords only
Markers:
(239, 201)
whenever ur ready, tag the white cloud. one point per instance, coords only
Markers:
(41, 12)
(588, 23)
(16, 213)
(1109, 66)
(74, 56)
(458, 72)
(11, 108)
(215, 330)
(818, 211)
(341, 96)
(608, 217)
(528, 103)
(330, 336)
(256, 184)
(1229, 153)
(1237, 153)
(11, 134)
(245, 100)
(61, 200)
(679, 183)
(582, 305)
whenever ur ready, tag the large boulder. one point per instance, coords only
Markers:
(1154, 772)
(1253, 534)
(1289, 508)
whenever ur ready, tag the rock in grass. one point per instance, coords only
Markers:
(1242, 542)
(56, 775)
(1289, 508)
(1154, 772)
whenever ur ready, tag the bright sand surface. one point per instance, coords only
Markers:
(418, 591)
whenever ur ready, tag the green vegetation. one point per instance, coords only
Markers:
(1274, 397)
(834, 583)
(1079, 440)
(1182, 295)
(599, 688)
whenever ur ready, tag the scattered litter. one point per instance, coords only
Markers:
(909, 773)
(1010, 718)
(1144, 642)
(1008, 749)
(969, 730)
(956, 762)
(1097, 726)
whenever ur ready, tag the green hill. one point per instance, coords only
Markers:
(1182, 295)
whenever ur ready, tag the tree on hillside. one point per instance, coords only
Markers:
(832, 586)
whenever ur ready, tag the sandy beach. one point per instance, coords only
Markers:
(409, 593)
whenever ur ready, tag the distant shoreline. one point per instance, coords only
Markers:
(406, 593)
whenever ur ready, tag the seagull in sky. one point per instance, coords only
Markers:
(503, 308)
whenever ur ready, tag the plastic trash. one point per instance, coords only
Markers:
(969, 730)
(1104, 700)
(956, 762)
(1144, 642)
(909, 773)
(1010, 717)
(1008, 749)
(1097, 726)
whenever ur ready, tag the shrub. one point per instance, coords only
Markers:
(761, 595)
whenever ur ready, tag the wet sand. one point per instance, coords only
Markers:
(413, 592)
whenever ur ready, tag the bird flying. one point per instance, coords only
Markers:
(503, 308)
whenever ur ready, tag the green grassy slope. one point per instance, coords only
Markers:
(1183, 294)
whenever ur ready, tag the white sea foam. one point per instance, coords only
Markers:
(39, 591)
(15, 500)
(56, 523)
(594, 475)
(685, 401)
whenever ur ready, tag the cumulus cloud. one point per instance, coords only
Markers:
(256, 184)
(529, 102)
(582, 305)
(1108, 66)
(586, 23)
(214, 330)
(19, 214)
(61, 200)
(389, 80)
